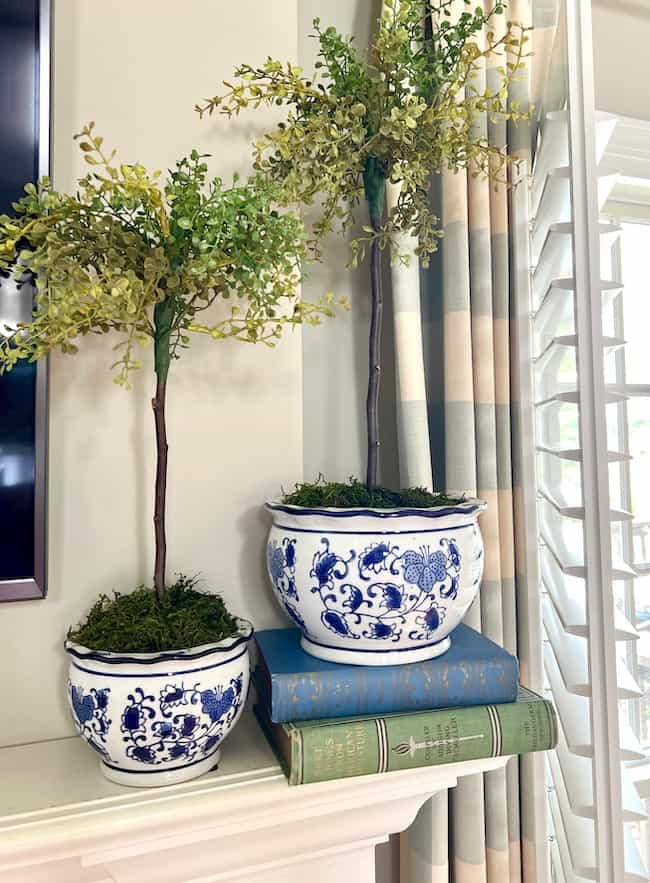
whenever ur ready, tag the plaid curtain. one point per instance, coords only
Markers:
(470, 303)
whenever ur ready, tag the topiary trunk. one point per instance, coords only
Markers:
(374, 181)
(163, 318)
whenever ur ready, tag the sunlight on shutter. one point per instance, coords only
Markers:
(573, 469)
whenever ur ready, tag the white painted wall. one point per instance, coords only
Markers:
(621, 31)
(235, 411)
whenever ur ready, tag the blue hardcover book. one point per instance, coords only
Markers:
(296, 686)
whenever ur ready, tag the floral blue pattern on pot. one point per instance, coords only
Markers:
(90, 712)
(378, 594)
(281, 562)
(181, 723)
(159, 719)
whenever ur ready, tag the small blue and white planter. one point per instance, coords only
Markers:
(376, 586)
(159, 718)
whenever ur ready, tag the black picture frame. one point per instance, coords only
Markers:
(25, 64)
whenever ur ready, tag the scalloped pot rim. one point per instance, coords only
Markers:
(227, 645)
(468, 507)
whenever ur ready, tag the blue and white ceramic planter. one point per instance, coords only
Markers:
(376, 586)
(159, 718)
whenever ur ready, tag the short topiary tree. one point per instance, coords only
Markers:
(404, 110)
(143, 259)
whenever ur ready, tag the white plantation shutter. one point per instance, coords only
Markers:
(592, 797)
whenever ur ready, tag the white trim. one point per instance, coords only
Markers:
(593, 431)
(60, 819)
(629, 201)
(529, 616)
(628, 150)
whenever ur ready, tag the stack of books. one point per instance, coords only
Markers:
(330, 721)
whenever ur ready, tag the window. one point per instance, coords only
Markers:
(592, 413)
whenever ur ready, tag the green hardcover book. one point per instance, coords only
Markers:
(317, 751)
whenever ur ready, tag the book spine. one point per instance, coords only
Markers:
(373, 691)
(362, 747)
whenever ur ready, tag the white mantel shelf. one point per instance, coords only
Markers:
(62, 822)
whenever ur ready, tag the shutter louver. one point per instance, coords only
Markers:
(567, 392)
(576, 842)
(567, 595)
(573, 712)
(572, 661)
(576, 772)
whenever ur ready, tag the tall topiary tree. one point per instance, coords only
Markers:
(400, 112)
(130, 255)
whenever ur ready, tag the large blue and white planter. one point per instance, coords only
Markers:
(376, 586)
(159, 718)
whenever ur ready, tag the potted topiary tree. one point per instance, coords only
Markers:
(370, 575)
(158, 677)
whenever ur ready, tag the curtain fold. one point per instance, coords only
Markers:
(411, 399)
(471, 300)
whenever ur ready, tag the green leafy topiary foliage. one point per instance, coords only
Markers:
(141, 622)
(406, 109)
(142, 258)
(131, 255)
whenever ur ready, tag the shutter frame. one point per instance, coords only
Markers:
(584, 631)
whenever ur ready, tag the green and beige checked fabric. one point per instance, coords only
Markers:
(410, 386)
(464, 418)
